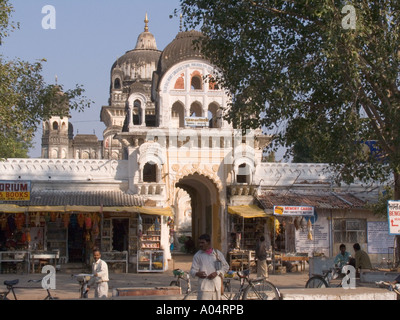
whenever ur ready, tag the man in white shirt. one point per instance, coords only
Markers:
(209, 265)
(100, 276)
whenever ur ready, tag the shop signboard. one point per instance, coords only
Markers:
(379, 239)
(15, 190)
(393, 210)
(292, 211)
(197, 121)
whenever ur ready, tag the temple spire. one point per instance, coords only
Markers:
(146, 24)
(180, 23)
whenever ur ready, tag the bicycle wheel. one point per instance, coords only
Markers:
(192, 295)
(261, 290)
(174, 283)
(317, 282)
(228, 293)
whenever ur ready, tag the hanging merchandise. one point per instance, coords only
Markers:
(59, 220)
(140, 226)
(170, 222)
(3, 221)
(277, 226)
(297, 223)
(95, 230)
(37, 219)
(11, 223)
(88, 222)
(81, 220)
(303, 224)
(309, 227)
(28, 236)
(19, 221)
(66, 218)
(157, 224)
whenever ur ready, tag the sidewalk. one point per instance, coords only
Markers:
(291, 286)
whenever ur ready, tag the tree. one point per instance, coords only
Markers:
(25, 98)
(299, 68)
(324, 72)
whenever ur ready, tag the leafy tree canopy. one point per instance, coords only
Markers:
(300, 69)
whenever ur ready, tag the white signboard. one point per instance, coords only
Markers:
(197, 121)
(294, 211)
(379, 239)
(393, 211)
(320, 240)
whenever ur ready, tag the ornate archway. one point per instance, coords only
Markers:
(207, 211)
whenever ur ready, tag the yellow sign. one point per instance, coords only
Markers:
(15, 190)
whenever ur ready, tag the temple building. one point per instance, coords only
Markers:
(170, 167)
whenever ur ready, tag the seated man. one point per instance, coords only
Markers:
(343, 257)
(362, 258)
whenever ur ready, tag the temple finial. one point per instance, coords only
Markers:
(146, 24)
(180, 23)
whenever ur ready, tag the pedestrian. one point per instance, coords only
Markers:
(209, 265)
(342, 257)
(361, 258)
(261, 256)
(100, 276)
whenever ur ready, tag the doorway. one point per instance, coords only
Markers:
(204, 198)
(120, 234)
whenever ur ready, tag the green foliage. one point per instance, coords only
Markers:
(380, 207)
(293, 68)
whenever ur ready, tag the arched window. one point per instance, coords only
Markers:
(150, 172)
(137, 106)
(117, 84)
(178, 115)
(213, 115)
(196, 83)
(55, 125)
(196, 110)
(180, 83)
(243, 175)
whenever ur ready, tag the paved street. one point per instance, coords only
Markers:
(291, 286)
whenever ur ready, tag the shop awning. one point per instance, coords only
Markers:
(247, 211)
(11, 208)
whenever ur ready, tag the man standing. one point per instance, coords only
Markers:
(261, 255)
(361, 257)
(100, 276)
(209, 265)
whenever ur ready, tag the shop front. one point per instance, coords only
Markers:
(34, 235)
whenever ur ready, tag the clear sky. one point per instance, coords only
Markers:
(89, 36)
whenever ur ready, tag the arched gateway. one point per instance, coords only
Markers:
(206, 210)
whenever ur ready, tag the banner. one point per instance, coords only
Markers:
(293, 210)
(393, 210)
(15, 190)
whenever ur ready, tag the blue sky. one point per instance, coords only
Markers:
(89, 36)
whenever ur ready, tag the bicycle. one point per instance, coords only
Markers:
(181, 276)
(11, 285)
(255, 289)
(49, 296)
(324, 281)
(83, 279)
(390, 286)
